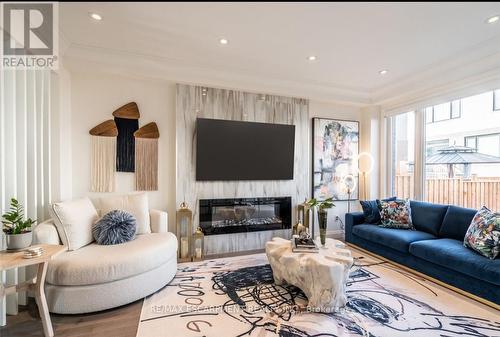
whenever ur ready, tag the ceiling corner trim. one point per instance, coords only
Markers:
(114, 61)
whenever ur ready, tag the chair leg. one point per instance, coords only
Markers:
(41, 300)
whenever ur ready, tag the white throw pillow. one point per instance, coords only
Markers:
(135, 204)
(74, 220)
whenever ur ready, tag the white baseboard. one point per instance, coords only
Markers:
(336, 234)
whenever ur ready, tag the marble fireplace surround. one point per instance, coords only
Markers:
(194, 102)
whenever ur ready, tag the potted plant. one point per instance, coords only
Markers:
(323, 207)
(17, 230)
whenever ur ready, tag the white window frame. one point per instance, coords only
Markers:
(420, 137)
(496, 100)
(450, 113)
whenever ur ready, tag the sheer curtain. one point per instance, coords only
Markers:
(25, 155)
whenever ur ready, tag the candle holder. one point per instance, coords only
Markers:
(198, 245)
(184, 219)
(304, 213)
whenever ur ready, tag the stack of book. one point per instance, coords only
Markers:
(304, 245)
(33, 252)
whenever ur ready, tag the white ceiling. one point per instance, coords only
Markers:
(270, 42)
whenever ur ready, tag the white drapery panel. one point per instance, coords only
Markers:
(25, 156)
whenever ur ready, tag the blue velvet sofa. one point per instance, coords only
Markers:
(435, 248)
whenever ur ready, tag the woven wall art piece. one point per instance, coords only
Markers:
(120, 146)
(146, 157)
(103, 156)
(127, 122)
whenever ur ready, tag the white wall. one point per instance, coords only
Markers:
(94, 96)
(93, 99)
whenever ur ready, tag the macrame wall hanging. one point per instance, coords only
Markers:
(119, 145)
(146, 157)
(127, 122)
(103, 160)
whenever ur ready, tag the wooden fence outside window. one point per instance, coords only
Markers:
(471, 193)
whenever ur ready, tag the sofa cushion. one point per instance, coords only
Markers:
(74, 220)
(115, 227)
(398, 239)
(483, 234)
(370, 210)
(395, 214)
(96, 264)
(453, 255)
(456, 222)
(427, 217)
(135, 204)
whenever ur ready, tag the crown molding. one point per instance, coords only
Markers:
(78, 57)
(477, 67)
(478, 64)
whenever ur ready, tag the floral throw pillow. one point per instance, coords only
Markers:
(395, 214)
(483, 234)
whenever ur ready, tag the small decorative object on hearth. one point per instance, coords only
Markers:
(300, 230)
(146, 157)
(103, 159)
(304, 213)
(184, 220)
(322, 207)
(198, 242)
(16, 228)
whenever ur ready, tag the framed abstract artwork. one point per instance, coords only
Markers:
(335, 159)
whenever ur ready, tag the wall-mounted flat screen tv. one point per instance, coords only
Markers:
(235, 150)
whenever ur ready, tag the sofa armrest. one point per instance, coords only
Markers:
(46, 232)
(159, 221)
(351, 220)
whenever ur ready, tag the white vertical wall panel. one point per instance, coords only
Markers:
(39, 140)
(46, 143)
(21, 136)
(9, 131)
(2, 184)
(31, 137)
(25, 112)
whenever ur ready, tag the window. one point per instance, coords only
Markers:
(496, 100)
(434, 146)
(443, 112)
(485, 144)
(403, 154)
(458, 175)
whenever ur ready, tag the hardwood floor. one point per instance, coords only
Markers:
(119, 322)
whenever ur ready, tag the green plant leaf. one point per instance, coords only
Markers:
(13, 221)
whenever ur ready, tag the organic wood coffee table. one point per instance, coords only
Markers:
(321, 276)
(9, 260)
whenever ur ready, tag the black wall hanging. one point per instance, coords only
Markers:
(127, 122)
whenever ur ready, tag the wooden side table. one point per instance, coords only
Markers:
(10, 260)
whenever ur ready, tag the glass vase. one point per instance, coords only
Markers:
(323, 224)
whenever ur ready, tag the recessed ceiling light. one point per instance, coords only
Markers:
(223, 41)
(95, 16)
(383, 72)
(312, 58)
(493, 19)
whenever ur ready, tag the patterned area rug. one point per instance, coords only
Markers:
(237, 297)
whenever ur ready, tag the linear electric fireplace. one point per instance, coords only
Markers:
(224, 216)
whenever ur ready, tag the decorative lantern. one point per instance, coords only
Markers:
(184, 231)
(303, 213)
(198, 242)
